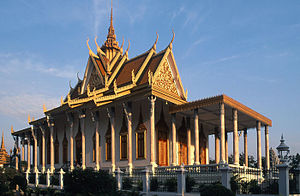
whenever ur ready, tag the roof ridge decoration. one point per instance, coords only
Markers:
(99, 51)
(91, 53)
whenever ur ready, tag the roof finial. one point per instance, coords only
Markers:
(111, 13)
(171, 43)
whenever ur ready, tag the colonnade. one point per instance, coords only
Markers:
(221, 154)
(221, 141)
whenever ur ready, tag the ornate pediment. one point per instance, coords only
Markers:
(94, 80)
(164, 79)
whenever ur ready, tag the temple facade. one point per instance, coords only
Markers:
(133, 113)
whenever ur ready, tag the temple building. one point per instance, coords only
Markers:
(4, 157)
(133, 113)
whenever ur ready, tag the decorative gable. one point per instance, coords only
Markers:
(164, 78)
(94, 80)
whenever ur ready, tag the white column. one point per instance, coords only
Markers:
(113, 137)
(23, 150)
(258, 129)
(226, 146)
(222, 130)
(28, 152)
(152, 131)
(189, 140)
(207, 151)
(51, 126)
(129, 127)
(235, 138)
(267, 147)
(97, 154)
(82, 121)
(43, 149)
(196, 126)
(174, 141)
(34, 148)
(245, 147)
(217, 146)
(71, 123)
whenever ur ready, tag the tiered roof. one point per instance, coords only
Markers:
(111, 75)
(4, 157)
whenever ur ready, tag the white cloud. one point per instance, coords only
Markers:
(20, 105)
(220, 60)
(11, 63)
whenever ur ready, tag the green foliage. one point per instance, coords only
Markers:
(171, 184)
(89, 182)
(55, 180)
(9, 178)
(294, 161)
(140, 185)
(189, 183)
(154, 184)
(272, 188)
(31, 178)
(254, 188)
(127, 184)
(234, 183)
(42, 178)
(215, 190)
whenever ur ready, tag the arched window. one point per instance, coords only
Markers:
(202, 143)
(78, 139)
(140, 135)
(123, 140)
(56, 150)
(182, 143)
(65, 148)
(94, 147)
(108, 142)
(162, 138)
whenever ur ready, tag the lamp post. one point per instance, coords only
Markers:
(283, 151)
(283, 167)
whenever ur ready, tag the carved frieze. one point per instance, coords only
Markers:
(164, 78)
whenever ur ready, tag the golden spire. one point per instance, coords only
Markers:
(2, 142)
(111, 46)
(111, 36)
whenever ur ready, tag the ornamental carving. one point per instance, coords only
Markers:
(95, 80)
(164, 78)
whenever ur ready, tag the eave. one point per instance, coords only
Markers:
(221, 99)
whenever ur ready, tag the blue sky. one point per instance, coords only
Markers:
(248, 50)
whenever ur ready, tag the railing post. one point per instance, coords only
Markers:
(27, 176)
(181, 180)
(283, 179)
(37, 177)
(48, 178)
(118, 174)
(225, 173)
(146, 181)
(61, 178)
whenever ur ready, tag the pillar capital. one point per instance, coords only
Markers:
(95, 116)
(50, 121)
(111, 113)
(152, 98)
(234, 114)
(82, 113)
(222, 109)
(266, 129)
(70, 117)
